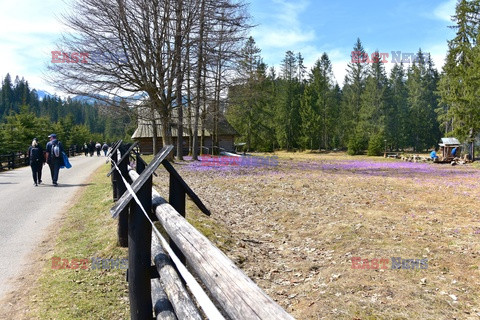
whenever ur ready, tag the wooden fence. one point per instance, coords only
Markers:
(157, 275)
(21, 159)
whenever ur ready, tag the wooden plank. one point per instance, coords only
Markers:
(161, 306)
(172, 284)
(185, 186)
(126, 154)
(114, 147)
(236, 293)
(137, 184)
(140, 159)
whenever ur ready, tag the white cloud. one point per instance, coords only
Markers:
(445, 11)
(28, 31)
(274, 38)
(288, 13)
(281, 29)
(438, 53)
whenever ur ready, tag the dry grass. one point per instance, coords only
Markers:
(294, 228)
(87, 232)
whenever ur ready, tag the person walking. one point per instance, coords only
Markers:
(105, 148)
(35, 153)
(85, 148)
(98, 147)
(54, 157)
(91, 148)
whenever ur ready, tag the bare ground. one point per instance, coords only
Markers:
(294, 228)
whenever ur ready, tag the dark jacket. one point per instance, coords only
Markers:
(36, 157)
(49, 149)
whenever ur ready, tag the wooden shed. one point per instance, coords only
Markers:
(446, 147)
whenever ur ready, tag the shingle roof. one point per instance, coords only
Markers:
(449, 142)
(144, 129)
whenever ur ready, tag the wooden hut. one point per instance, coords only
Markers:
(446, 147)
(226, 135)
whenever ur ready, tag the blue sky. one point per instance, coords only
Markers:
(29, 29)
(316, 26)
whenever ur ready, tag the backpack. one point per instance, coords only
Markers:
(35, 154)
(56, 150)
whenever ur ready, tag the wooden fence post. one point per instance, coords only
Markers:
(11, 161)
(139, 255)
(115, 175)
(177, 200)
(121, 189)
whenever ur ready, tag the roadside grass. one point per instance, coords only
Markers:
(87, 231)
(295, 227)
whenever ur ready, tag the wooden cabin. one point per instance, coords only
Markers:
(226, 136)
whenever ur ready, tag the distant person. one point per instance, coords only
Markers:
(454, 152)
(35, 153)
(54, 157)
(91, 148)
(85, 149)
(433, 155)
(105, 148)
(98, 147)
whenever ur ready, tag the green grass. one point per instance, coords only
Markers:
(87, 231)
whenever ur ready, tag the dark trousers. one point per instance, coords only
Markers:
(36, 171)
(54, 169)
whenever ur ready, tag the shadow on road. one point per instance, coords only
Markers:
(66, 185)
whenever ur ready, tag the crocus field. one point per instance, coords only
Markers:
(311, 229)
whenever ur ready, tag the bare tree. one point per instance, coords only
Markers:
(133, 49)
(178, 58)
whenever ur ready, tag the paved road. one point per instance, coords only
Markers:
(26, 211)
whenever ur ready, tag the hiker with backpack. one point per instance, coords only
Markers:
(35, 153)
(54, 156)
(105, 148)
(98, 147)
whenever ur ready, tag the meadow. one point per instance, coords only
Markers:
(299, 225)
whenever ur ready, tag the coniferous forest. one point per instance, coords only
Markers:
(24, 115)
(300, 109)
(409, 108)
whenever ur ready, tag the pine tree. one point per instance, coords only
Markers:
(398, 122)
(354, 85)
(375, 102)
(458, 87)
(248, 110)
(287, 104)
(319, 110)
(422, 78)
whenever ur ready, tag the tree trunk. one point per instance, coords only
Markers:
(178, 52)
(199, 81)
(154, 136)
